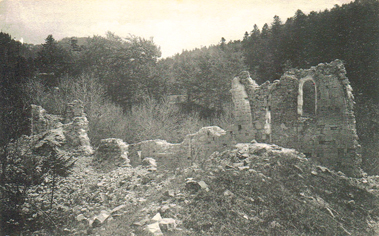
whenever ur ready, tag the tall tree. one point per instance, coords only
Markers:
(52, 61)
(14, 70)
(125, 66)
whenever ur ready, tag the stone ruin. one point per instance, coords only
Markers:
(68, 132)
(195, 147)
(112, 152)
(309, 110)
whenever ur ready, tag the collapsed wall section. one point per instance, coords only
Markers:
(74, 127)
(310, 110)
(195, 147)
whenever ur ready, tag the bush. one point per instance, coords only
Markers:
(148, 120)
(24, 167)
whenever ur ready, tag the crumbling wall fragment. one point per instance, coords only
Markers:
(74, 129)
(74, 109)
(194, 148)
(242, 110)
(41, 121)
(112, 151)
(321, 124)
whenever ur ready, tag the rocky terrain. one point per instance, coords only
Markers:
(239, 189)
(252, 188)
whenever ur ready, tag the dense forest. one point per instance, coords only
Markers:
(130, 71)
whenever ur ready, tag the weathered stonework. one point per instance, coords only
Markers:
(309, 110)
(194, 148)
(112, 150)
(41, 121)
(74, 128)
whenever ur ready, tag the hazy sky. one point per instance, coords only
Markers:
(174, 24)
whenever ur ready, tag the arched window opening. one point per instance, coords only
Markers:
(307, 98)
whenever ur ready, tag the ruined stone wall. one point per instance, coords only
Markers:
(74, 128)
(194, 148)
(111, 152)
(41, 121)
(260, 111)
(242, 111)
(324, 130)
(283, 107)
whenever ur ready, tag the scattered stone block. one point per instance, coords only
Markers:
(167, 224)
(149, 161)
(117, 209)
(192, 185)
(157, 217)
(154, 229)
(203, 185)
(100, 218)
(80, 217)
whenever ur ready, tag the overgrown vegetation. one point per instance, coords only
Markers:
(25, 168)
(148, 120)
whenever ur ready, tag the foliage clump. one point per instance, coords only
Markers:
(30, 163)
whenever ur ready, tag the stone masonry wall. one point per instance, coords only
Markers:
(278, 115)
(74, 128)
(194, 148)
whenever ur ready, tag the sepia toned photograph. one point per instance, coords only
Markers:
(189, 117)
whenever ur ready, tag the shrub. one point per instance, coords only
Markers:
(25, 167)
(148, 120)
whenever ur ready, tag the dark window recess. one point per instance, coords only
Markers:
(309, 98)
(239, 127)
